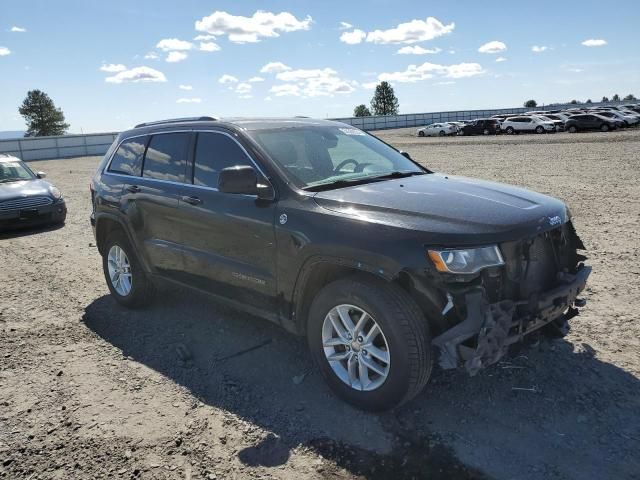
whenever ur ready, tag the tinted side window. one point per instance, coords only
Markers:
(128, 158)
(166, 157)
(215, 151)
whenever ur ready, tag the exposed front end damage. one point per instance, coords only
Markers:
(538, 285)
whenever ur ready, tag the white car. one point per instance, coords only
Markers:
(437, 129)
(513, 125)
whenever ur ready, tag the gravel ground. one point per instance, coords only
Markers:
(190, 389)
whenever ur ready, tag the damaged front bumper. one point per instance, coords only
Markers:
(488, 330)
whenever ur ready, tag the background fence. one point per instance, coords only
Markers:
(44, 148)
(64, 146)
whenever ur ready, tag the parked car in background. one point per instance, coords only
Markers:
(481, 126)
(25, 198)
(385, 266)
(437, 129)
(527, 123)
(590, 121)
(616, 117)
(559, 124)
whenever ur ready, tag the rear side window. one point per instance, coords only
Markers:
(128, 158)
(166, 157)
(215, 151)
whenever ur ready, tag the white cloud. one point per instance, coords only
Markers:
(274, 67)
(209, 47)
(189, 100)
(173, 44)
(493, 47)
(252, 29)
(113, 67)
(224, 79)
(204, 38)
(267, 99)
(448, 82)
(152, 56)
(415, 73)
(303, 74)
(137, 74)
(285, 90)
(185, 87)
(417, 50)
(256, 79)
(345, 26)
(501, 59)
(539, 48)
(244, 88)
(594, 42)
(4, 51)
(411, 32)
(18, 29)
(369, 85)
(353, 38)
(174, 57)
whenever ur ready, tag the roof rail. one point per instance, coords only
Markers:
(176, 120)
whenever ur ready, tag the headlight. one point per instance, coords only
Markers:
(55, 193)
(468, 260)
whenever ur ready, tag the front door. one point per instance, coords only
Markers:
(228, 239)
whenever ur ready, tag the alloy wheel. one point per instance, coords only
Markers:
(119, 270)
(355, 347)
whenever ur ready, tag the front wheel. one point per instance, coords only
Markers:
(539, 129)
(573, 129)
(125, 277)
(604, 127)
(510, 130)
(442, 133)
(370, 342)
(421, 133)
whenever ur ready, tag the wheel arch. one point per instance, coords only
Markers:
(107, 224)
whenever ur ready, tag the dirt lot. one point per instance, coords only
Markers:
(190, 389)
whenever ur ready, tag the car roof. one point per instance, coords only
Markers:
(8, 158)
(239, 123)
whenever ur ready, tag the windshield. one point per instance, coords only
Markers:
(316, 156)
(14, 171)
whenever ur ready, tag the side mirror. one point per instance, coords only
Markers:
(243, 180)
(41, 175)
(405, 154)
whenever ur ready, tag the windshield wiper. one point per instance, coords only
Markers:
(6, 180)
(360, 180)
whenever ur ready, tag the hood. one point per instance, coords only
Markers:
(449, 209)
(24, 188)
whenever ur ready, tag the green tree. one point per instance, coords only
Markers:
(588, 100)
(42, 116)
(530, 104)
(629, 98)
(615, 98)
(605, 99)
(384, 101)
(573, 102)
(361, 111)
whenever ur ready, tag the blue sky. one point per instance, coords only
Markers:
(111, 64)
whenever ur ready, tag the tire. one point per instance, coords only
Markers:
(404, 336)
(573, 129)
(604, 127)
(486, 131)
(141, 289)
(442, 133)
(421, 133)
(539, 129)
(510, 131)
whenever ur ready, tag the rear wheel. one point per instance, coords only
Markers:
(125, 277)
(573, 129)
(370, 342)
(421, 133)
(442, 133)
(510, 130)
(486, 131)
(539, 129)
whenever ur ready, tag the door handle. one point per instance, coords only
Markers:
(192, 200)
(133, 188)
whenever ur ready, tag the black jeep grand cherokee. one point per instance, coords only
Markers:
(333, 234)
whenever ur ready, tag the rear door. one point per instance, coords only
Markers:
(151, 202)
(229, 239)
